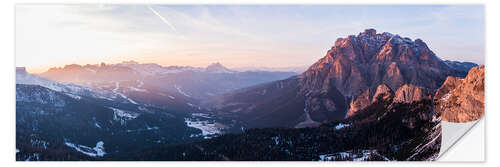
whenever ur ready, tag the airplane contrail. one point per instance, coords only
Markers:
(162, 18)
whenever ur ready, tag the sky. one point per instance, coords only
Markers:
(237, 36)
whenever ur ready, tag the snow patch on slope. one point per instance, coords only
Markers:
(122, 115)
(97, 151)
(115, 91)
(76, 97)
(341, 125)
(180, 91)
(138, 89)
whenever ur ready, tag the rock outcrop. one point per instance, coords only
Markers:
(404, 94)
(368, 97)
(462, 100)
(411, 93)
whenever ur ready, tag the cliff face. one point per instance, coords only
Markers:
(405, 94)
(411, 93)
(368, 97)
(462, 100)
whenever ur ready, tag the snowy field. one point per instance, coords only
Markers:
(202, 122)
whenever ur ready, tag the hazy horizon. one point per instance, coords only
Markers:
(242, 68)
(237, 36)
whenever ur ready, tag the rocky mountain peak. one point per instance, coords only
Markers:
(369, 59)
(216, 65)
(218, 68)
(370, 31)
(368, 47)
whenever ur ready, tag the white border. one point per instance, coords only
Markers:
(467, 146)
(8, 83)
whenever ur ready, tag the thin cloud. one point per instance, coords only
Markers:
(163, 19)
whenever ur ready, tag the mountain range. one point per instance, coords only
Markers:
(176, 87)
(373, 96)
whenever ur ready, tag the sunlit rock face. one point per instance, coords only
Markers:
(367, 60)
(462, 100)
(405, 94)
(411, 93)
(368, 97)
